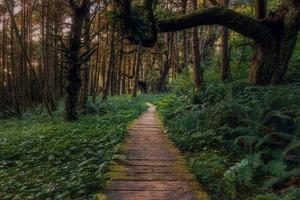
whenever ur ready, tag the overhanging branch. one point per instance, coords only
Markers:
(240, 23)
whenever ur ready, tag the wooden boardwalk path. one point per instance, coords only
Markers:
(150, 167)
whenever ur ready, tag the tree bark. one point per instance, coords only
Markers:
(275, 35)
(161, 87)
(73, 77)
(260, 9)
(225, 65)
(240, 23)
(270, 61)
(197, 72)
(86, 72)
(111, 66)
(184, 39)
(137, 70)
(26, 57)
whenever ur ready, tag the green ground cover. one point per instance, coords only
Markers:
(241, 142)
(46, 158)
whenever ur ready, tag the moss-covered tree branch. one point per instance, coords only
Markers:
(218, 15)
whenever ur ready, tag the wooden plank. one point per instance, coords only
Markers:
(148, 176)
(152, 168)
(149, 186)
(149, 195)
(147, 168)
(153, 163)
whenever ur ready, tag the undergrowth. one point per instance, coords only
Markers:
(46, 158)
(242, 142)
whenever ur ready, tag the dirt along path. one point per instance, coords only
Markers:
(150, 167)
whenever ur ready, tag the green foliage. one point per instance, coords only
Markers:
(291, 194)
(244, 136)
(139, 24)
(183, 83)
(293, 73)
(113, 17)
(43, 158)
(208, 166)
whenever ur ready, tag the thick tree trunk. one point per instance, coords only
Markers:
(275, 36)
(161, 86)
(73, 77)
(270, 61)
(263, 60)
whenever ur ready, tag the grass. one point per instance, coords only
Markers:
(47, 158)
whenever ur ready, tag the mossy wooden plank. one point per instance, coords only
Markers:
(149, 166)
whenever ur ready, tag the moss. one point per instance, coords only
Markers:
(119, 171)
(202, 195)
(100, 196)
(118, 176)
(115, 167)
(181, 168)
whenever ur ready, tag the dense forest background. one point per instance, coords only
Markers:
(36, 52)
(229, 95)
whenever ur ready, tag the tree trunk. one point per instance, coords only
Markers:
(197, 72)
(73, 76)
(270, 61)
(184, 40)
(275, 36)
(260, 7)
(111, 66)
(137, 70)
(120, 69)
(86, 72)
(225, 65)
(161, 87)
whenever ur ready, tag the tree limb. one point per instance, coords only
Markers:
(240, 23)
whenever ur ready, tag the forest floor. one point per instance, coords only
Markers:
(149, 166)
(43, 157)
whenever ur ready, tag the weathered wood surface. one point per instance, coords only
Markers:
(150, 167)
